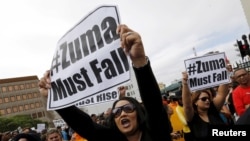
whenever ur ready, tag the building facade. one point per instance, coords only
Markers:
(245, 5)
(21, 96)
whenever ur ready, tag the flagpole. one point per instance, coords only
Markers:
(195, 54)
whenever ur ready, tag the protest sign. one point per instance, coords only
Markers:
(40, 127)
(207, 71)
(59, 122)
(88, 64)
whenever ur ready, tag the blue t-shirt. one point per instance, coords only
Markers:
(65, 135)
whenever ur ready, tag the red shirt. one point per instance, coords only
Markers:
(241, 98)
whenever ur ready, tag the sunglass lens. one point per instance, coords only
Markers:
(117, 111)
(128, 108)
(204, 98)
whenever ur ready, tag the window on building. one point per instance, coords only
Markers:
(12, 98)
(2, 112)
(18, 97)
(27, 86)
(24, 96)
(38, 104)
(34, 115)
(4, 89)
(30, 96)
(26, 107)
(32, 105)
(40, 114)
(34, 84)
(22, 87)
(6, 100)
(9, 110)
(21, 108)
(10, 88)
(15, 109)
(35, 95)
(16, 87)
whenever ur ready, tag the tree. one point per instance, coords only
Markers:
(12, 123)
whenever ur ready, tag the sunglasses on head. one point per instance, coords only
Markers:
(204, 99)
(127, 108)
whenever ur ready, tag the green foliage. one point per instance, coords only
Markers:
(12, 123)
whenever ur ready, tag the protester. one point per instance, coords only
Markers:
(181, 115)
(175, 121)
(54, 135)
(225, 113)
(77, 137)
(229, 99)
(43, 134)
(104, 117)
(27, 137)
(170, 112)
(202, 109)
(13, 134)
(165, 100)
(129, 120)
(65, 134)
(94, 117)
(6, 136)
(244, 119)
(241, 94)
(26, 130)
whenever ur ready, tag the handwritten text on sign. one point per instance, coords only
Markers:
(206, 71)
(88, 60)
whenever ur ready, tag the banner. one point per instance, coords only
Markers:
(89, 64)
(207, 71)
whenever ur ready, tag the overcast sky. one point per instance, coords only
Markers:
(30, 29)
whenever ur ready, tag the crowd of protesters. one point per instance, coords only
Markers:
(154, 118)
(58, 133)
(196, 112)
(174, 104)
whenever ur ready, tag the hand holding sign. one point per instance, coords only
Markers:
(132, 45)
(122, 91)
(184, 78)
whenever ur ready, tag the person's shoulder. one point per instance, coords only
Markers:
(237, 89)
(195, 120)
(244, 119)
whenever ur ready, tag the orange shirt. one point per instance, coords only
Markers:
(77, 137)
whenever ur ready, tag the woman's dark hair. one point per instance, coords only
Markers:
(28, 136)
(196, 95)
(141, 117)
(213, 92)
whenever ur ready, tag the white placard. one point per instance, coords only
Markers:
(207, 71)
(89, 64)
